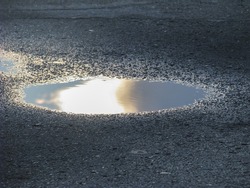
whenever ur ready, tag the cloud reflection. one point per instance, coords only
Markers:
(111, 96)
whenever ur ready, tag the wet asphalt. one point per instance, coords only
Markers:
(202, 145)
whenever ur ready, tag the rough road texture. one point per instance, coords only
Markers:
(203, 43)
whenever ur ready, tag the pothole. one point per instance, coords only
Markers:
(101, 95)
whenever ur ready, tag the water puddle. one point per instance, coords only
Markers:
(103, 95)
(6, 65)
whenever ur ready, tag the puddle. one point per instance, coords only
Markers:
(6, 65)
(110, 96)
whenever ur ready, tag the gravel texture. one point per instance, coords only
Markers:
(202, 145)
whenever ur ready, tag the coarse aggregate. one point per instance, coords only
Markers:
(202, 145)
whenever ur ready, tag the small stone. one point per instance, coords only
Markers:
(139, 152)
(165, 173)
(37, 124)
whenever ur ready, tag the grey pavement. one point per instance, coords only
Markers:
(200, 43)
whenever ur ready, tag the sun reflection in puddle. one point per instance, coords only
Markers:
(103, 95)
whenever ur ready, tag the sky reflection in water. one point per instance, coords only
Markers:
(110, 96)
(5, 65)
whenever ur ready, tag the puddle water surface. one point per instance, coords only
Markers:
(6, 65)
(110, 96)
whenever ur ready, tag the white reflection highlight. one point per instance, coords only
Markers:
(96, 96)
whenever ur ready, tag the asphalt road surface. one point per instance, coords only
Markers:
(199, 43)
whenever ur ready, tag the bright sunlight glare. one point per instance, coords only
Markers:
(96, 96)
